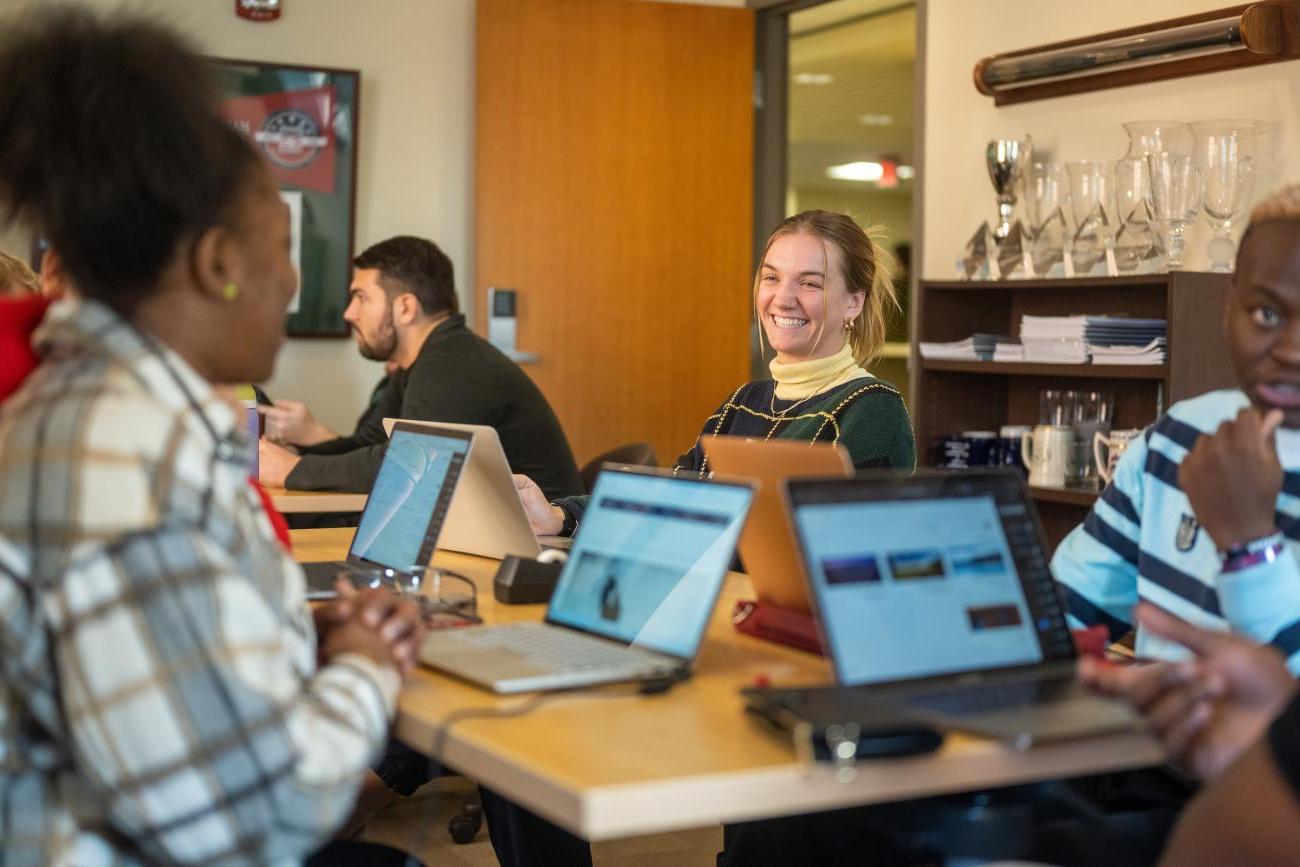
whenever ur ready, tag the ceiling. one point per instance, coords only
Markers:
(868, 49)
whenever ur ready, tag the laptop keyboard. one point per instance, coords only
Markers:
(988, 697)
(552, 649)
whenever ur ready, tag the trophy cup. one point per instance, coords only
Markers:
(1000, 252)
(1005, 158)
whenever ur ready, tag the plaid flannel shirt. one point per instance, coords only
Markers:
(159, 695)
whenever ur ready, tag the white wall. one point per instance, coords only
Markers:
(959, 120)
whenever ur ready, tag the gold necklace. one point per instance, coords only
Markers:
(771, 405)
(784, 414)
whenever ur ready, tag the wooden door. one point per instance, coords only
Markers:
(614, 192)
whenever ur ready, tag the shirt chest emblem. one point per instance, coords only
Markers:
(1185, 538)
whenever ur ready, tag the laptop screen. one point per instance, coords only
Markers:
(922, 576)
(649, 559)
(409, 498)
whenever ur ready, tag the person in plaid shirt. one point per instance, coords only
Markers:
(166, 696)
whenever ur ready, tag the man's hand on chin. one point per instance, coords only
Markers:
(274, 463)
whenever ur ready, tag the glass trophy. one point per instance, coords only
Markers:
(1092, 238)
(1224, 154)
(979, 258)
(1044, 198)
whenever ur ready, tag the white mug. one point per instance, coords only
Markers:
(1115, 444)
(1046, 452)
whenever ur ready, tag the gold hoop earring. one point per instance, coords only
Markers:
(230, 291)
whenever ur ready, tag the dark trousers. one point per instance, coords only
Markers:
(319, 520)
(523, 839)
(520, 838)
(1121, 820)
(843, 838)
(350, 854)
(404, 770)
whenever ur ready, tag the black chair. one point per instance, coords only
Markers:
(632, 454)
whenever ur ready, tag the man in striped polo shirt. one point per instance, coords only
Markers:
(1202, 517)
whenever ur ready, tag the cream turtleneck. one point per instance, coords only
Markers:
(803, 379)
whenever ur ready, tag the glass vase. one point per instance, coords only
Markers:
(1224, 155)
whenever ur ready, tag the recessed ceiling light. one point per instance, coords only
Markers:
(813, 78)
(876, 119)
(905, 173)
(859, 171)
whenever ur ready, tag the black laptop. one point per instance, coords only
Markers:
(404, 513)
(934, 600)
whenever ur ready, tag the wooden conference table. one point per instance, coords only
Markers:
(295, 502)
(608, 763)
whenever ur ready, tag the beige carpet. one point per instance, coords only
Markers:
(419, 825)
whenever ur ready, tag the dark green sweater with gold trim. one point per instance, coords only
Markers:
(866, 416)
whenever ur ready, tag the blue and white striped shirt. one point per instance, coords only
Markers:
(1141, 542)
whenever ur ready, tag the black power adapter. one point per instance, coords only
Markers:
(525, 581)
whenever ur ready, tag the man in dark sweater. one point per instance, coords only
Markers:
(403, 308)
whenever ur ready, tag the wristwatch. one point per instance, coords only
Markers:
(570, 525)
(1243, 555)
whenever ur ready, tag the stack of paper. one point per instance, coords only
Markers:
(1054, 339)
(1121, 330)
(977, 347)
(1151, 353)
(1046, 351)
(1101, 339)
(1053, 327)
(1009, 349)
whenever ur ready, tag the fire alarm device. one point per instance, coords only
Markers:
(258, 10)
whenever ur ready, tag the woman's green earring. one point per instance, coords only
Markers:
(230, 291)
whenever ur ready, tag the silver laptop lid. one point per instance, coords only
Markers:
(408, 501)
(928, 575)
(486, 517)
(649, 559)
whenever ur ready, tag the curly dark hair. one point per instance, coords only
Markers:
(112, 146)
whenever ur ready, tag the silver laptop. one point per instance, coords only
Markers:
(934, 596)
(633, 600)
(405, 511)
(487, 517)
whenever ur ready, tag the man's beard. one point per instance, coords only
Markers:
(385, 342)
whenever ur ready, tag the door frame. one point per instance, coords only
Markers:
(771, 148)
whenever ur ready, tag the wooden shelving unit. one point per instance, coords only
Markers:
(1064, 371)
(952, 396)
(1065, 496)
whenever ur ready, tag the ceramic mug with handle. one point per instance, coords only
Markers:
(1108, 449)
(1046, 452)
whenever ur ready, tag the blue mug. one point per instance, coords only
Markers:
(950, 452)
(1009, 438)
(984, 449)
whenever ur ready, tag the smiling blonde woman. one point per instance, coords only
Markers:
(822, 294)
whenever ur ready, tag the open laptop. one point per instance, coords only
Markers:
(934, 596)
(487, 517)
(406, 508)
(767, 547)
(633, 599)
